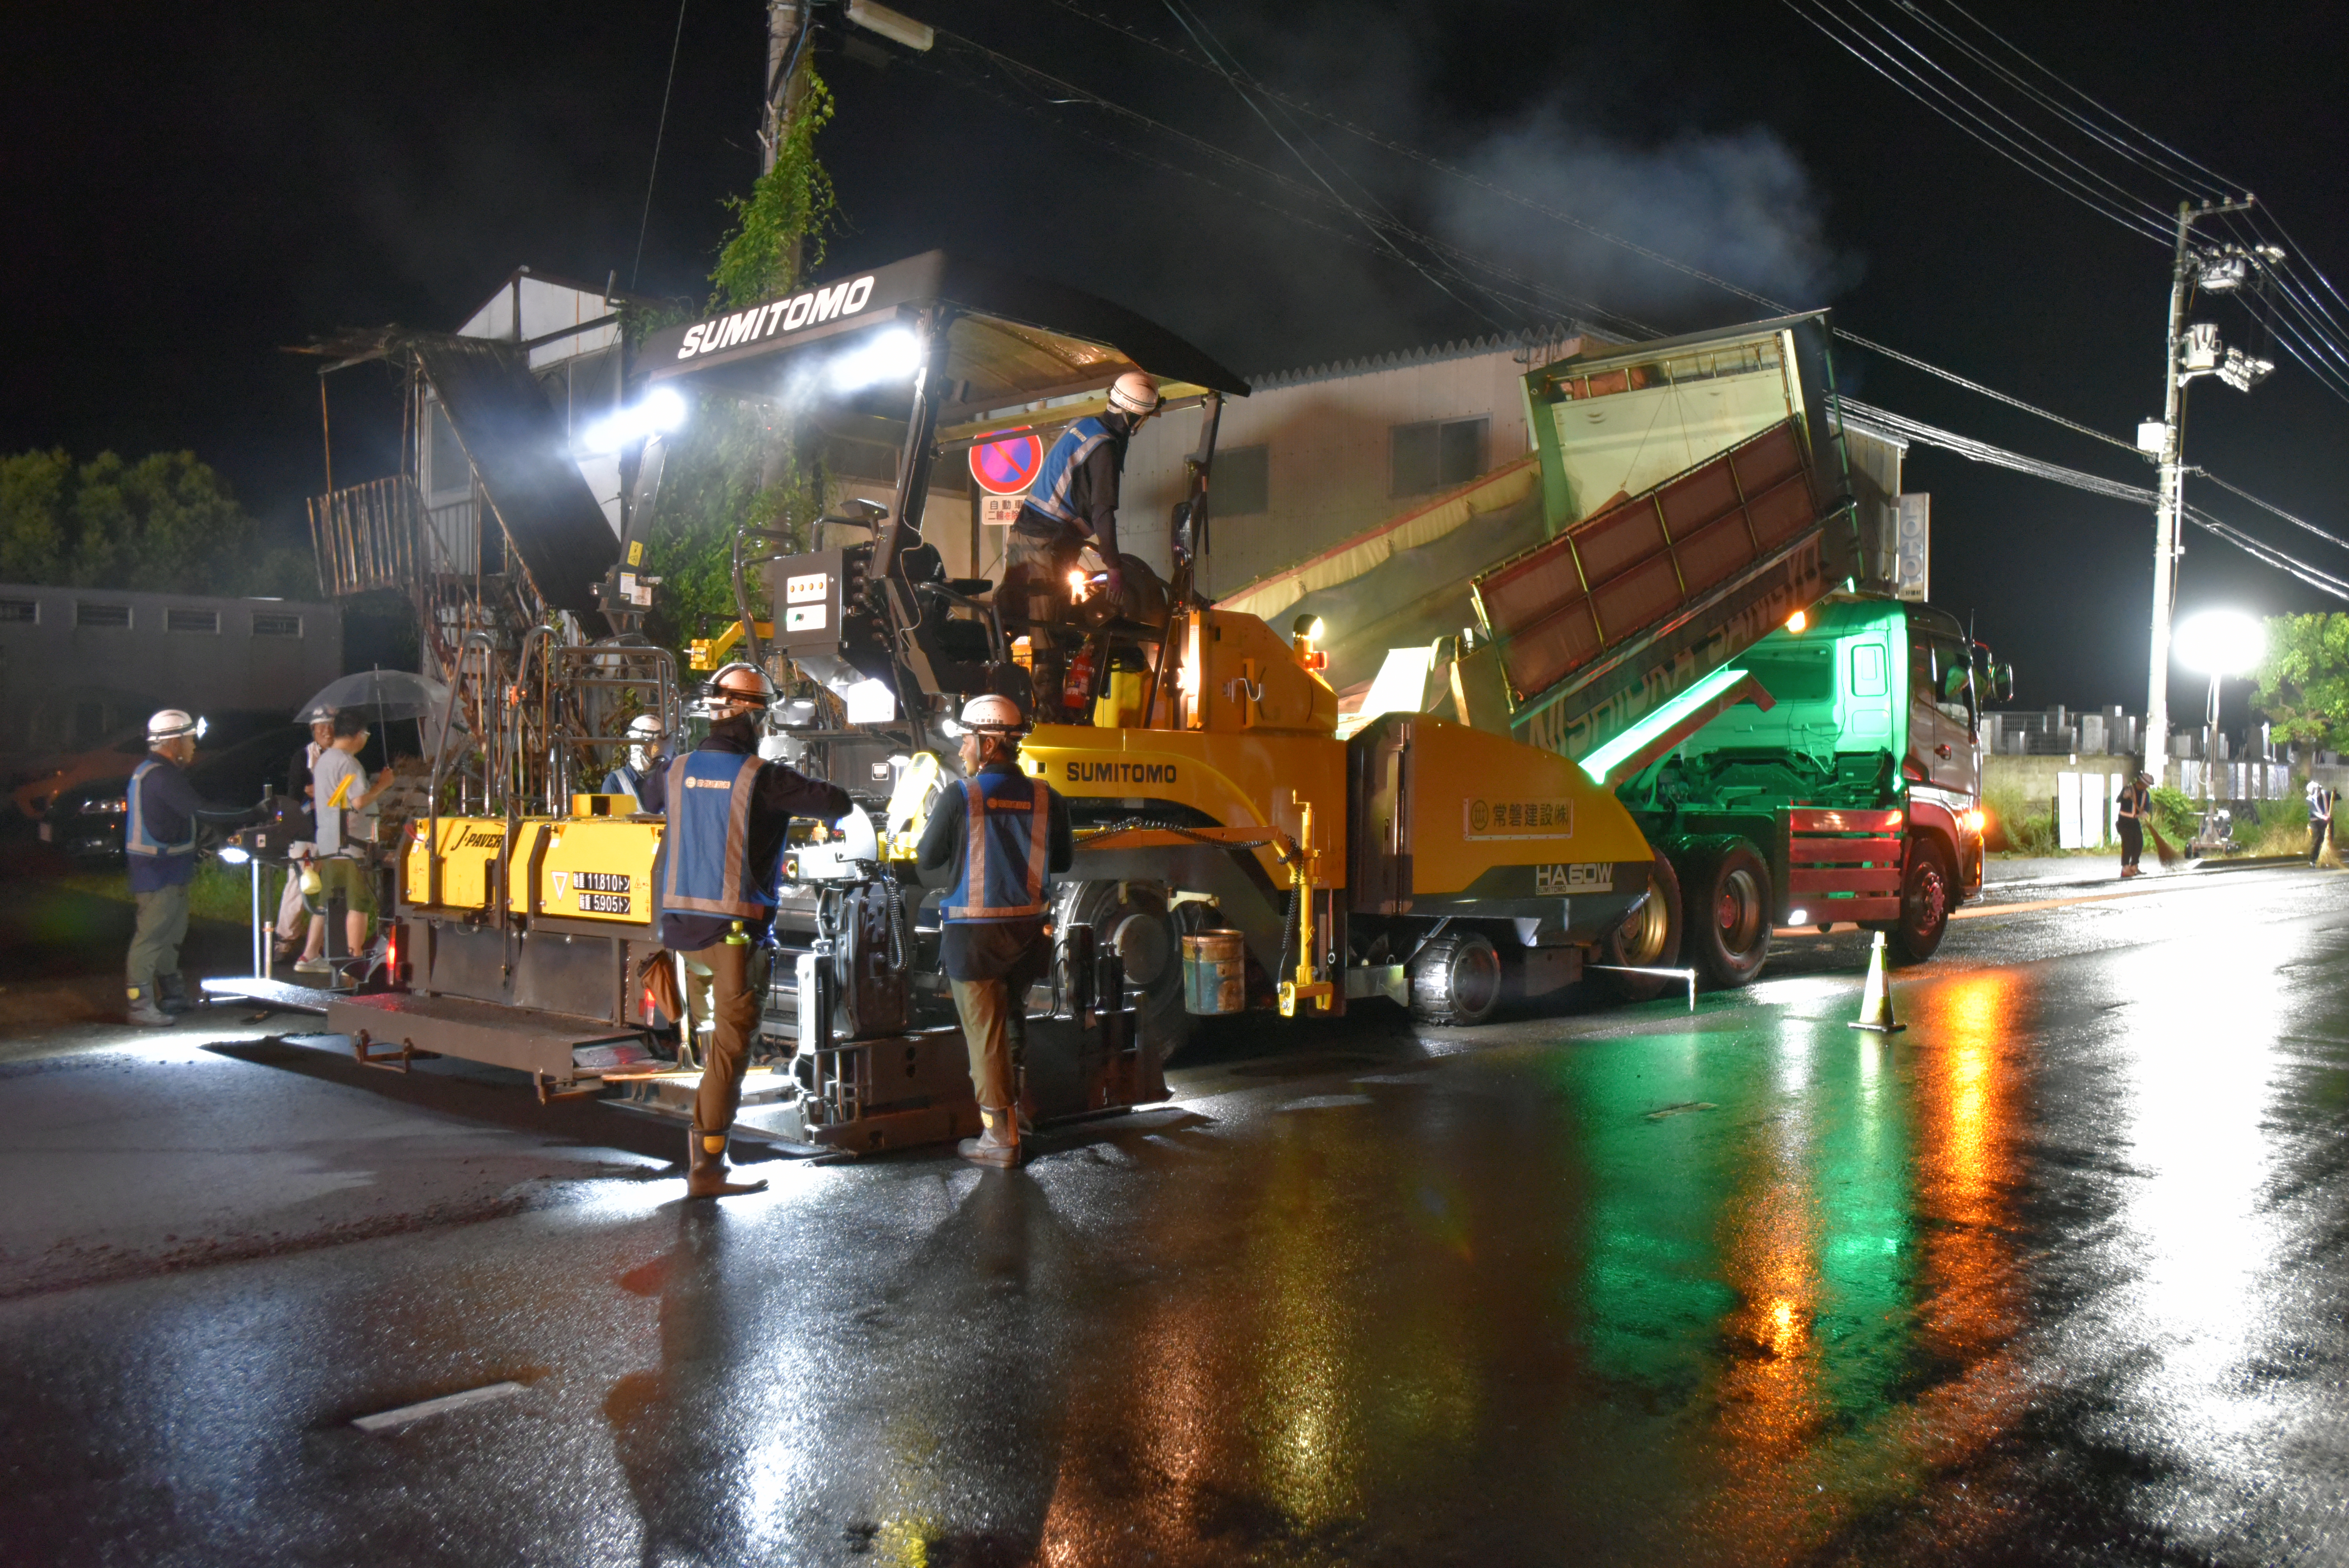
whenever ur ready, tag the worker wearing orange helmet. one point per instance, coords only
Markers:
(999, 834)
(729, 811)
(1070, 504)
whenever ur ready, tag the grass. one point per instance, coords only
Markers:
(220, 893)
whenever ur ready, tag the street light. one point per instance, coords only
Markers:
(2218, 644)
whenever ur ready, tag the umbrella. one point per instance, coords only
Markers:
(379, 695)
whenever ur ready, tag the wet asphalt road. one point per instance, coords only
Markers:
(2055, 1276)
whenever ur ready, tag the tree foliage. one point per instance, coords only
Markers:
(2303, 684)
(738, 464)
(165, 523)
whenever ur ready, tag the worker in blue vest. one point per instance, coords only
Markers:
(643, 776)
(162, 808)
(1000, 835)
(727, 811)
(1071, 503)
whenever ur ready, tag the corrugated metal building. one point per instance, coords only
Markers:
(79, 664)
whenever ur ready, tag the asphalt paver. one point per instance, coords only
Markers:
(2054, 1276)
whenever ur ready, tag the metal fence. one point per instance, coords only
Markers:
(365, 537)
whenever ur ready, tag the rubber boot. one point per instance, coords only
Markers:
(143, 1011)
(705, 1167)
(999, 1145)
(171, 995)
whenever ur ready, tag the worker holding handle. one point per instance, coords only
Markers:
(728, 814)
(999, 834)
(1071, 503)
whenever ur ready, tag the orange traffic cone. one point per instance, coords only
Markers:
(1876, 1002)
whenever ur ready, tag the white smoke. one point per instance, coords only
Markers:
(1739, 205)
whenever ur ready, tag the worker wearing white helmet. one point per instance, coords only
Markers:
(1071, 503)
(643, 776)
(999, 834)
(716, 888)
(161, 810)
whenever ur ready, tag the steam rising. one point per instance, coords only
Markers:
(1738, 205)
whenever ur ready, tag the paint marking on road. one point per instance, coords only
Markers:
(384, 1420)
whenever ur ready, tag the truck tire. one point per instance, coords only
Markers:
(1455, 979)
(1648, 939)
(1134, 918)
(1926, 892)
(1728, 924)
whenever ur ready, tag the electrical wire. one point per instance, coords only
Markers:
(2274, 510)
(1233, 78)
(644, 219)
(2145, 218)
(1534, 292)
(1885, 421)
(1674, 263)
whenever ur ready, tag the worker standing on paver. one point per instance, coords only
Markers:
(2319, 818)
(159, 843)
(2130, 809)
(643, 776)
(1071, 503)
(999, 834)
(728, 813)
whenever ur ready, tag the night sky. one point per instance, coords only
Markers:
(188, 189)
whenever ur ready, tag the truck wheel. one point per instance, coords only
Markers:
(1455, 979)
(1927, 891)
(1649, 939)
(1132, 917)
(1729, 903)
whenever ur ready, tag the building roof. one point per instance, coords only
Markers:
(1544, 346)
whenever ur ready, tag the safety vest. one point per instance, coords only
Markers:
(1049, 491)
(623, 780)
(708, 849)
(136, 839)
(1007, 835)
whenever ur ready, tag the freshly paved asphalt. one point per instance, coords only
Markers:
(2057, 1275)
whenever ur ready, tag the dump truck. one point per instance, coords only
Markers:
(1661, 714)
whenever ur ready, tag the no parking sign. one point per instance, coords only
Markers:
(1003, 467)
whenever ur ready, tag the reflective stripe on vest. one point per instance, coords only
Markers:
(1049, 491)
(135, 837)
(708, 849)
(626, 778)
(1003, 837)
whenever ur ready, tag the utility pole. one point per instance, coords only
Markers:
(787, 74)
(2168, 447)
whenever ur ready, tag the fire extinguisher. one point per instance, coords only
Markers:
(1080, 681)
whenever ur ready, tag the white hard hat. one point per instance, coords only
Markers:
(170, 723)
(1135, 393)
(989, 711)
(647, 727)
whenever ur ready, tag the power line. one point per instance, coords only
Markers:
(644, 219)
(1884, 420)
(1674, 263)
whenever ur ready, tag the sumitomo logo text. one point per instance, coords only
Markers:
(1121, 773)
(779, 316)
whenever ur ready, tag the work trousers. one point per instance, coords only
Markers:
(994, 1023)
(738, 987)
(155, 938)
(1036, 568)
(2132, 832)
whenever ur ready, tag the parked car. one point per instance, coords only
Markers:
(58, 772)
(84, 820)
(118, 754)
